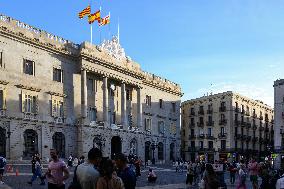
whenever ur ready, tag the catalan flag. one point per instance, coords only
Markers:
(86, 11)
(95, 16)
(105, 21)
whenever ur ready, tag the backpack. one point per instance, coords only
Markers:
(75, 184)
(2, 162)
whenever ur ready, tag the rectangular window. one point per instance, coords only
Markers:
(210, 119)
(192, 121)
(192, 132)
(192, 144)
(1, 99)
(173, 107)
(201, 144)
(93, 114)
(201, 120)
(236, 117)
(91, 85)
(113, 118)
(236, 131)
(209, 131)
(1, 59)
(222, 130)
(223, 144)
(192, 111)
(161, 103)
(161, 126)
(30, 104)
(210, 144)
(58, 75)
(148, 123)
(57, 108)
(28, 67)
(148, 100)
(128, 94)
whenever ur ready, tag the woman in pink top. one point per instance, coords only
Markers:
(253, 170)
(57, 172)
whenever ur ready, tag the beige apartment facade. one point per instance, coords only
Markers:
(226, 126)
(57, 94)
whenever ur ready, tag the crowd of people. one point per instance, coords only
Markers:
(260, 174)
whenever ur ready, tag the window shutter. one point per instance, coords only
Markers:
(4, 99)
(23, 102)
(64, 107)
(53, 107)
(36, 104)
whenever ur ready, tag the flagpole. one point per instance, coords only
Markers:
(91, 33)
(100, 26)
(109, 27)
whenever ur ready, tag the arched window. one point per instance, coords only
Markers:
(31, 142)
(172, 151)
(58, 140)
(133, 147)
(160, 151)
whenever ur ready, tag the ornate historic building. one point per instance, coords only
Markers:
(57, 94)
(279, 122)
(226, 125)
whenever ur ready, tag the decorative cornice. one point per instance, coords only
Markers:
(2, 82)
(28, 88)
(57, 94)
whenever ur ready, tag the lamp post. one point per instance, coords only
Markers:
(153, 146)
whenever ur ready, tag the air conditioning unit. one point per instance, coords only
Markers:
(2, 113)
(59, 120)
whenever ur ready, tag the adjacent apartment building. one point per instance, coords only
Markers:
(72, 97)
(279, 122)
(226, 125)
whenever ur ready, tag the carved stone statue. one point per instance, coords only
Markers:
(114, 48)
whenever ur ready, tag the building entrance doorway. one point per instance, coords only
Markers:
(115, 146)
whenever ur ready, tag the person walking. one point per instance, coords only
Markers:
(57, 172)
(210, 178)
(3, 163)
(232, 169)
(70, 161)
(124, 172)
(253, 171)
(137, 164)
(242, 177)
(152, 177)
(189, 174)
(108, 178)
(87, 173)
(37, 172)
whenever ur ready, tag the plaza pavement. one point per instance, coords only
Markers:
(168, 178)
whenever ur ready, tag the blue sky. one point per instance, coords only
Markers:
(232, 44)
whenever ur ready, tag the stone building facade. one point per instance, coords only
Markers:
(279, 122)
(226, 125)
(57, 94)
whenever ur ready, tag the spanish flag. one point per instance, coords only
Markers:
(105, 21)
(95, 16)
(86, 11)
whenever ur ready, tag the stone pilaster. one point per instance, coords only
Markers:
(123, 106)
(139, 109)
(105, 101)
(84, 93)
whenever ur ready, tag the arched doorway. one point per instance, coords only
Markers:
(115, 146)
(2, 142)
(172, 152)
(133, 147)
(148, 155)
(58, 140)
(31, 142)
(160, 151)
(97, 142)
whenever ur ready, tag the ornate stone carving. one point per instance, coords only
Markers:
(114, 48)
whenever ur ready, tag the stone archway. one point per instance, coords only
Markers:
(2, 142)
(148, 154)
(58, 140)
(97, 142)
(30, 142)
(172, 152)
(115, 146)
(133, 147)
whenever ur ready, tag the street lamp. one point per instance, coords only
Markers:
(153, 146)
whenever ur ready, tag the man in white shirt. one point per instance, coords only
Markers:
(87, 173)
(280, 181)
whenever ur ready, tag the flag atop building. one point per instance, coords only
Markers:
(85, 12)
(95, 16)
(105, 20)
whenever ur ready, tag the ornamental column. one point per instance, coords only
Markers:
(123, 106)
(139, 108)
(84, 93)
(105, 100)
